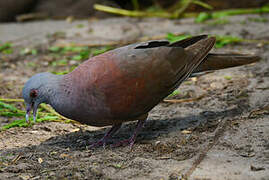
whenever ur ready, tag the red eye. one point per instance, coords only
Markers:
(33, 93)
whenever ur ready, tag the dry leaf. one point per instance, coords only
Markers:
(186, 132)
(63, 155)
(40, 160)
(75, 130)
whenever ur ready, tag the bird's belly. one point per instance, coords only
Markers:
(98, 121)
(92, 115)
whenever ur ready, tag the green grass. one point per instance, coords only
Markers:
(61, 62)
(65, 71)
(80, 26)
(76, 52)
(221, 21)
(174, 93)
(65, 54)
(225, 40)
(204, 16)
(8, 107)
(23, 123)
(28, 51)
(10, 111)
(135, 4)
(228, 77)
(6, 48)
(173, 38)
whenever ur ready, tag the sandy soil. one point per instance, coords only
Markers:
(224, 135)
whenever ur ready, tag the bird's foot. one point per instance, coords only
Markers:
(131, 140)
(125, 142)
(101, 142)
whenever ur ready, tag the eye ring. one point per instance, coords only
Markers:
(33, 93)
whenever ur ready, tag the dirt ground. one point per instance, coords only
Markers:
(223, 135)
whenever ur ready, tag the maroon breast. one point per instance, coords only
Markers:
(110, 89)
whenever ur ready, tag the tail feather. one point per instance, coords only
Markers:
(222, 61)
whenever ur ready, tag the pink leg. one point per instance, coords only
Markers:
(131, 140)
(108, 134)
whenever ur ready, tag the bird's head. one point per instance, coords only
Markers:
(35, 92)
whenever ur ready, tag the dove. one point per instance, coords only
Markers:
(124, 84)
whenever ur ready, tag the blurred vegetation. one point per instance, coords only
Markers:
(178, 10)
(175, 11)
(6, 48)
(203, 16)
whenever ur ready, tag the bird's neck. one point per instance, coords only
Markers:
(52, 89)
(61, 94)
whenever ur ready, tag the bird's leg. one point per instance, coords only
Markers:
(131, 140)
(108, 134)
(139, 126)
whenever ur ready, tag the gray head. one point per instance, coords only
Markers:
(35, 92)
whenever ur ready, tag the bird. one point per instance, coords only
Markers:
(124, 84)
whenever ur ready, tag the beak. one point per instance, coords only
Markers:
(29, 107)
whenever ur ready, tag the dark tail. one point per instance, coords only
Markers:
(222, 61)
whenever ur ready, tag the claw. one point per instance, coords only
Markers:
(27, 118)
(98, 143)
(125, 142)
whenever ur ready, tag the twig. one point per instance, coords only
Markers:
(18, 157)
(202, 4)
(259, 112)
(11, 100)
(135, 4)
(136, 13)
(31, 16)
(131, 13)
(183, 100)
(183, 6)
(231, 12)
(254, 41)
(50, 110)
(218, 133)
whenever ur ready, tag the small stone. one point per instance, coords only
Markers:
(255, 168)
